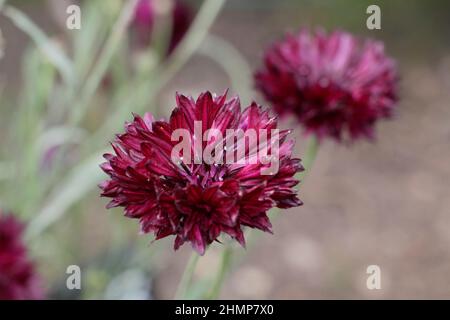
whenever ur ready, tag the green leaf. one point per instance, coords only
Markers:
(81, 180)
(56, 56)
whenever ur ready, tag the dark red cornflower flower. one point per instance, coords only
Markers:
(196, 202)
(18, 279)
(144, 19)
(333, 84)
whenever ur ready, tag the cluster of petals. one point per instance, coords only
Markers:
(335, 84)
(196, 203)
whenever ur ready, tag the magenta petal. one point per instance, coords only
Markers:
(197, 203)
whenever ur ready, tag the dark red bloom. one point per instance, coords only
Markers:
(18, 279)
(144, 19)
(197, 202)
(334, 84)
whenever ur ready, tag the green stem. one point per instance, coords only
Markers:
(232, 62)
(93, 80)
(56, 56)
(221, 274)
(145, 92)
(308, 160)
(198, 31)
(111, 45)
(186, 278)
(310, 156)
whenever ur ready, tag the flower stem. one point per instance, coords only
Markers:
(194, 38)
(221, 273)
(310, 156)
(145, 92)
(186, 278)
(103, 62)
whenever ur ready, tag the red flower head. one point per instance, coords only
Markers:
(144, 19)
(333, 84)
(18, 279)
(197, 200)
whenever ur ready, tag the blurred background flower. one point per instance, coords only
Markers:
(146, 13)
(18, 277)
(334, 84)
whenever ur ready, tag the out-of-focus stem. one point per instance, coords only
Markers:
(100, 68)
(310, 156)
(186, 278)
(146, 91)
(193, 39)
(184, 51)
(94, 78)
(232, 62)
(225, 264)
(71, 189)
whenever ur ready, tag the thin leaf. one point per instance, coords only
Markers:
(56, 56)
(81, 180)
